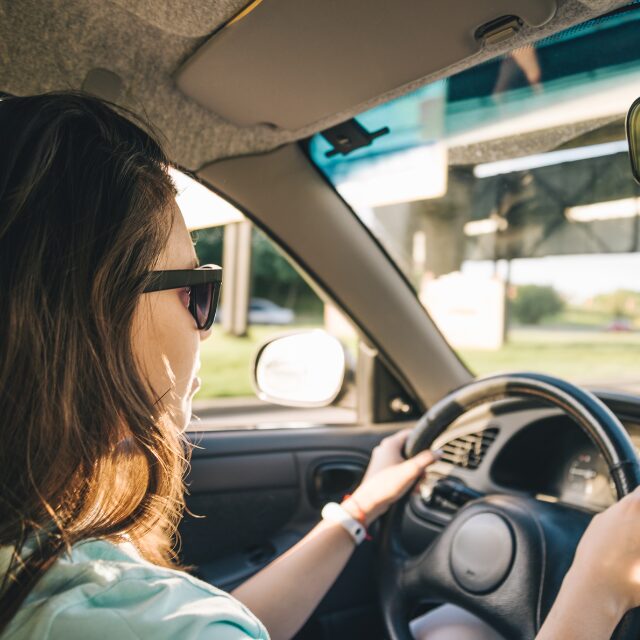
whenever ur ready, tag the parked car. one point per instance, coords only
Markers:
(619, 324)
(263, 311)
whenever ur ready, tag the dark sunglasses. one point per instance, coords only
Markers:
(204, 289)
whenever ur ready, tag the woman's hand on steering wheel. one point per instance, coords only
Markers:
(608, 555)
(388, 476)
(603, 582)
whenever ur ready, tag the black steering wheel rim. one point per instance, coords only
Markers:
(592, 415)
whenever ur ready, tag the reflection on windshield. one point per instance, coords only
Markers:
(505, 195)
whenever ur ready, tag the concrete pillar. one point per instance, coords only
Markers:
(236, 265)
(442, 222)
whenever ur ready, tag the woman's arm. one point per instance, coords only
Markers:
(285, 593)
(604, 580)
(580, 612)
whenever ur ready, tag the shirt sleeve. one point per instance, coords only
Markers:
(163, 608)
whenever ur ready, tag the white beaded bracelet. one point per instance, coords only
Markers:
(333, 512)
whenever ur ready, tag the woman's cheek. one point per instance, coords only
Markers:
(185, 295)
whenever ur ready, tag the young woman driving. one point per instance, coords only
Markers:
(102, 312)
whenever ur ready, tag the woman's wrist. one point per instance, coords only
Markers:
(585, 607)
(360, 508)
(595, 591)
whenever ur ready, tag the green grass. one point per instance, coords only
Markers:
(579, 318)
(584, 355)
(227, 361)
(584, 318)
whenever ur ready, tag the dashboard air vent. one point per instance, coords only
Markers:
(468, 451)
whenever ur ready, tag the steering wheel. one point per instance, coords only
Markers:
(501, 557)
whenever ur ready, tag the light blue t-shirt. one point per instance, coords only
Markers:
(106, 591)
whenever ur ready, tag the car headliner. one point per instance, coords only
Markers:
(53, 45)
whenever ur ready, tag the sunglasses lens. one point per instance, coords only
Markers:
(203, 299)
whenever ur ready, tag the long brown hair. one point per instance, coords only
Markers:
(85, 449)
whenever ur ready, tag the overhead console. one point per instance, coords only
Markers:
(291, 63)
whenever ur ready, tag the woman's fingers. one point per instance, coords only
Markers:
(381, 487)
(398, 438)
(389, 452)
(407, 472)
(411, 469)
(427, 457)
(422, 460)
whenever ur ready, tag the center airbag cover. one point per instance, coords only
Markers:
(482, 552)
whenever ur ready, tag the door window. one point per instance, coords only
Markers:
(278, 300)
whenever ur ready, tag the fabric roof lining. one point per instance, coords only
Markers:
(51, 46)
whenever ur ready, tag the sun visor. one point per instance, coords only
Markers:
(291, 63)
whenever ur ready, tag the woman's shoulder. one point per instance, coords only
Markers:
(106, 590)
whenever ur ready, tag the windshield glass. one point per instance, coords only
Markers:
(505, 195)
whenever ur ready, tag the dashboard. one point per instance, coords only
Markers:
(553, 460)
(515, 447)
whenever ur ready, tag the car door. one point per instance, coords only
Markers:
(260, 474)
(255, 489)
(253, 493)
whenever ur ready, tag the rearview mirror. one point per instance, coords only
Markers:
(305, 369)
(633, 137)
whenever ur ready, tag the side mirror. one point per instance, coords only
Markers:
(633, 138)
(305, 369)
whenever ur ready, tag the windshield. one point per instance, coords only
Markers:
(505, 195)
